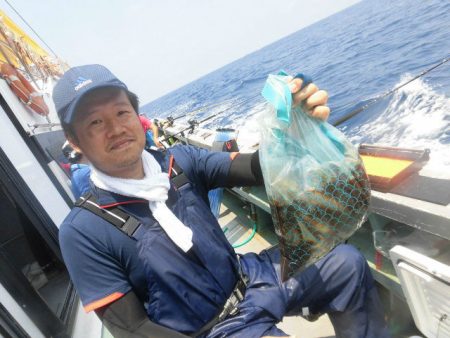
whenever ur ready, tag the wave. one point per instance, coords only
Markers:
(416, 117)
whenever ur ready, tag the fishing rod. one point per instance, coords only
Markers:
(171, 119)
(194, 123)
(376, 99)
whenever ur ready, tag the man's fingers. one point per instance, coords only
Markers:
(295, 85)
(304, 93)
(319, 98)
(312, 99)
(320, 112)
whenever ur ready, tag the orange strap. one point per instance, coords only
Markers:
(233, 155)
(102, 302)
(170, 166)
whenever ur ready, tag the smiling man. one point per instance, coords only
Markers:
(145, 252)
(109, 133)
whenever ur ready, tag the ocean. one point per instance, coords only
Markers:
(356, 55)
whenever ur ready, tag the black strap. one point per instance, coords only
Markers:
(177, 176)
(120, 219)
(126, 317)
(230, 308)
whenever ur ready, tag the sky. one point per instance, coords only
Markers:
(157, 46)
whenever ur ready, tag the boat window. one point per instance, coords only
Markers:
(51, 144)
(24, 249)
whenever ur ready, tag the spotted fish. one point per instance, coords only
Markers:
(311, 223)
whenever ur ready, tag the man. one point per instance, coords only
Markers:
(176, 274)
(79, 169)
(151, 132)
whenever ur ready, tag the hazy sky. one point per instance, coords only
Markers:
(158, 46)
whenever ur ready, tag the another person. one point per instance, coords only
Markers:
(175, 274)
(79, 171)
(151, 132)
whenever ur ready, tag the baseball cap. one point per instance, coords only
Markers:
(77, 82)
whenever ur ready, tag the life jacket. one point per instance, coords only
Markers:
(185, 290)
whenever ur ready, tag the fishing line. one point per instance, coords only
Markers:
(169, 118)
(376, 99)
(194, 123)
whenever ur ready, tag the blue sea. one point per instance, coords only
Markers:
(356, 55)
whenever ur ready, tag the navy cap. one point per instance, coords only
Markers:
(78, 81)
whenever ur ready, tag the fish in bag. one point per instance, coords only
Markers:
(316, 184)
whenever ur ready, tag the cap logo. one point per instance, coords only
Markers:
(81, 82)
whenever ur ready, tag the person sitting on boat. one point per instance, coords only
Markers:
(164, 268)
(151, 132)
(79, 170)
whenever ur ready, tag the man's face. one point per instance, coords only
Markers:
(109, 133)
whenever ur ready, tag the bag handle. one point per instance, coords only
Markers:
(277, 92)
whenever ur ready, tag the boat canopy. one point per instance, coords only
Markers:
(19, 50)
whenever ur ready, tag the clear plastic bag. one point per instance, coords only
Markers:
(315, 180)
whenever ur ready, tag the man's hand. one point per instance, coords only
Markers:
(157, 143)
(155, 132)
(312, 100)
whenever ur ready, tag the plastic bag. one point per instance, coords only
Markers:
(315, 180)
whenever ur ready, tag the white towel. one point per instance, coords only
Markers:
(154, 188)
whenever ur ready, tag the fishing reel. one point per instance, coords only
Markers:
(169, 121)
(192, 124)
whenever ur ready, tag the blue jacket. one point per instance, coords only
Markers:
(80, 174)
(184, 291)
